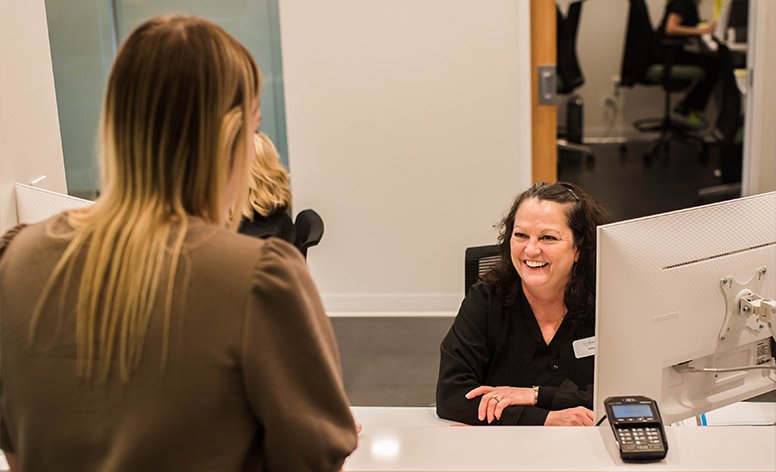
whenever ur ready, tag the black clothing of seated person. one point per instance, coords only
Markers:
(266, 214)
(681, 20)
(509, 357)
(502, 344)
(277, 224)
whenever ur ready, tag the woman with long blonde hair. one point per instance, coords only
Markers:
(269, 196)
(141, 333)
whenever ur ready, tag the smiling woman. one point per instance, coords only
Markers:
(511, 356)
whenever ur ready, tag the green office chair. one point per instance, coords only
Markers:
(642, 64)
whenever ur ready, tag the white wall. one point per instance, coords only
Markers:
(29, 127)
(759, 170)
(409, 132)
(408, 128)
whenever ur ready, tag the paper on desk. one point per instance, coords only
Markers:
(737, 414)
(743, 414)
(709, 42)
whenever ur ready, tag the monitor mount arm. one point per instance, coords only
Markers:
(762, 311)
(743, 304)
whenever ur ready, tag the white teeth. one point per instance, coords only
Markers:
(534, 264)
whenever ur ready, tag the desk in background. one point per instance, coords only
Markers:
(414, 439)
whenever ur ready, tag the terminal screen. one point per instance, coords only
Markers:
(632, 411)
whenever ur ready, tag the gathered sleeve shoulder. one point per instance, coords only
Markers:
(291, 365)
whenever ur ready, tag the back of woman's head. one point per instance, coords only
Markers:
(269, 189)
(177, 123)
(583, 215)
(177, 118)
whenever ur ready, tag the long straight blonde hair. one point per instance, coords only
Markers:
(269, 189)
(175, 143)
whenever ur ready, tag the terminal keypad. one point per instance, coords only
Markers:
(640, 439)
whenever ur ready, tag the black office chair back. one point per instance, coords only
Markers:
(309, 230)
(478, 261)
(641, 46)
(570, 77)
(569, 73)
(649, 59)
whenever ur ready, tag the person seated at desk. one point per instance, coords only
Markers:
(681, 19)
(269, 198)
(141, 333)
(514, 354)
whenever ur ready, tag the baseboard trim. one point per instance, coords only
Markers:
(392, 304)
(393, 314)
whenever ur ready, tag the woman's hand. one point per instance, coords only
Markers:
(577, 416)
(495, 399)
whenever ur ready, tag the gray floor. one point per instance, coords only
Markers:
(395, 361)
(390, 361)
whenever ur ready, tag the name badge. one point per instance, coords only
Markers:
(584, 347)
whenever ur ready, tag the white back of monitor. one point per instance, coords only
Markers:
(660, 301)
(35, 204)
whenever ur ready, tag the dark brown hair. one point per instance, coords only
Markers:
(583, 216)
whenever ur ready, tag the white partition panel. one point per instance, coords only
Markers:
(409, 131)
(29, 126)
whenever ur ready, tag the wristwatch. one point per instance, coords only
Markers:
(536, 394)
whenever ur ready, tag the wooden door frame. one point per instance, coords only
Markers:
(544, 150)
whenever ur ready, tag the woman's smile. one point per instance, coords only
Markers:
(535, 264)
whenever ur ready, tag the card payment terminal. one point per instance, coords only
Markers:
(637, 428)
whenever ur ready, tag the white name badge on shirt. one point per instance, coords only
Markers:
(584, 347)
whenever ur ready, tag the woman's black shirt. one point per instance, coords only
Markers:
(686, 9)
(277, 224)
(497, 344)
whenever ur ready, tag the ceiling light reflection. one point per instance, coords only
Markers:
(386, 447)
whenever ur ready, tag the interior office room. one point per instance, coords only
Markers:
(409, 127)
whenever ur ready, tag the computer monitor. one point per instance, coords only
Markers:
(733, 18)
(34, 204)
(739, 19)
(672, 291)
